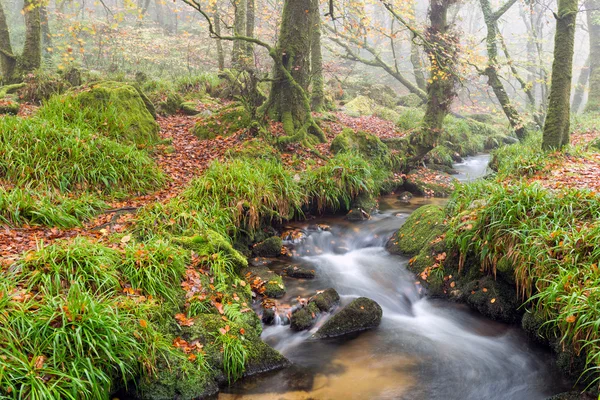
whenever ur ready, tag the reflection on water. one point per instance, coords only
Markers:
(424, 349)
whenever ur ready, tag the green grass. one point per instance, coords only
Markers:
(235, 355)
(45, 154)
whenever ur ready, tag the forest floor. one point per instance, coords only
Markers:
(185, 158)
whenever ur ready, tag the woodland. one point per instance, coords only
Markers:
(267, 199)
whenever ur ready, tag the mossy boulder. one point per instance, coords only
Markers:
(299, 272)
(360, 106)
(121, 110)
(442, 155)
(189, 108)
(361, 314)
(304, 318)
(494, 299)
(387, 114)
(421, 227)
(171, 105)
(381, 94)
(225, 122)
(270, 247)
(8, 106)
(369, 146)
(410, 100)
(326, 300)
(533, 325)
(210, 242)
(272, 286)
(427, 182)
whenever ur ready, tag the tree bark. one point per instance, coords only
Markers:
(31, 58)
(8, 60)
(556, 129)
(46, 34)
(442, 51)
(250, 24)
(316, 60)
(582, 82)
(238, 55)
(593, 20)
(220, 52)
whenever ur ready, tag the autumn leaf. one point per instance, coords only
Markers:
(570, 319)
(143, 323)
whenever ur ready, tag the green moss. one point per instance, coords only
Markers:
(115, 109)
(442, 155)
(304, 318)
(226, 122)
(253, 149)
(270, 247)
(360, 106)
(361, 314)
(326, 300)
(370, 146)
(273, 283)
(410, 100)
(172, 104)
(387, 114)
(189, 108)
(423, 226)
(494, 299)
(210, 242)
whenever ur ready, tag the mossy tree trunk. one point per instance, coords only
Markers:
(593, 19)
(556, 128)
(491, 71)
(415, 56)
(220, 52)
(250, 25)
(442, 51)
(288, 101)
(316, 60)
(46, 33)
(238, 56)
(582, 82)
(15, 67)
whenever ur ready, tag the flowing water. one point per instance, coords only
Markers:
(423, 349)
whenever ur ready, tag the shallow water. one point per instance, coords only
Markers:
(423, 349)
(472, 168)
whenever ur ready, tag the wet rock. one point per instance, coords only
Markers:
(357, 215)
(268, 316)
(270, 247)
(326, 300)
(423, 226)
(271, 284)
(533, 325)
(405, 197)
(574, 395)
(494, 299)
(295, 271)
(304, 318)
(361, 314)
(295, 236)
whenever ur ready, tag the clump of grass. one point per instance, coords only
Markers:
(44, 154)
(235, 355)
(410, 119)
(340, 181)
(24, 206)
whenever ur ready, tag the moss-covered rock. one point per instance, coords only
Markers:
(442, 155)
(381, 94)
(370, 146)
(273, 285)
(263, 358)
(422, 227)
(8, 106)
(299, 272)
(226, 122)
(270, 247)
(533, 325)
(119, 109)
(426, 182)
(574, 395)
(494, 299)
(387, 114)
(304, 318)
(171, 105)
(189, 108)
(410, 100)
(360, 106)
(361, 314)
(326, 300)
(210, 242)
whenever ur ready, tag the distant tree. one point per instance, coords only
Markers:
(592, 11)
(556, 129)
(13, 66)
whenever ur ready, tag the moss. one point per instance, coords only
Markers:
(172, 104)
(442, 155)
(494, 299)
(326, 300)
(410, 100)
(226, 122)
(370, 146)
(270, 247)
(9, 107)
(422, 183)
(361, 314)
(253, 149)
(533, 325)
(304, 318)
(360, 106)
(423, 226)
(274, 287)
(273, 283)
(410, 119)
(263, 358)
(383, 95)
(387, 114)
(189, 108)
(211, 242)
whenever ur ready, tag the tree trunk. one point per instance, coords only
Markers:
(7, 58)
(442, 80)
(556, 129)
(250, 23)
(415, 57)
(46, 34)
(31, 59)
(491, 21)
(239, 29)
(593, 19)
(582, 82)
(220, 52)
(288, 101)
(316, 60)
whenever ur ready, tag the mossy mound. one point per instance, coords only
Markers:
(304, 318)
(270, 247)
(299, 272)
(410, 100)
(361, 314)
(360, 106)
(9, 107)
(381, 94)
(423, 226)
(442, 155)
(370, 146)
(120, 111)
(226, 122)
(272, 284)
(326, 300)
(253, 149)
(387, 114)
(210, 242)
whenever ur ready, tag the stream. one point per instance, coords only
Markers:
(423, 349)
